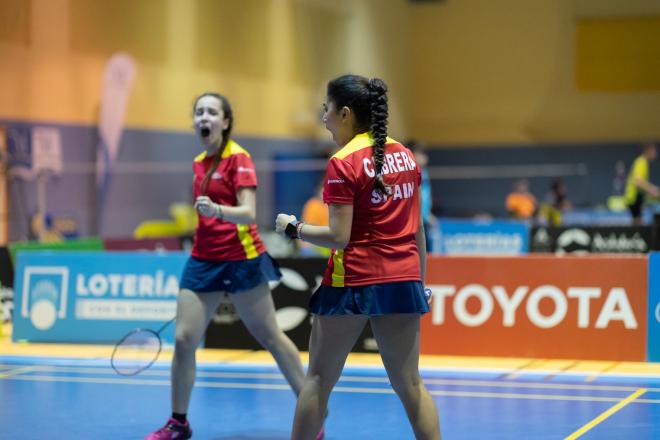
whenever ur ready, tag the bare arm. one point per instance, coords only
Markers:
(336, 235)
(420, 237)
(245, 211)
(646, 186)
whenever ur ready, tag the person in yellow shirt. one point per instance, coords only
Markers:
(520, 203)
(638, 185)
(556, 203)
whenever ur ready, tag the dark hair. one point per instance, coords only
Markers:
(368, 100)
(226, 133)
(648, 146)
(556, 184)
(414, 145)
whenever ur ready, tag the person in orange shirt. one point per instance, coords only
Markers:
(520, 203)
(315, 212)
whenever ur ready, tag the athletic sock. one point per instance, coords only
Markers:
(179, 417)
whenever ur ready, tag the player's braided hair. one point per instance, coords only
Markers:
(378, 95)
(368, 100)
(226, 133)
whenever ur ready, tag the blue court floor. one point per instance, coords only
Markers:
(84, 399)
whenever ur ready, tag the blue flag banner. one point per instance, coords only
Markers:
(654, 308)
(459, 237)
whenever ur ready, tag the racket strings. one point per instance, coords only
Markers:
(136, 352)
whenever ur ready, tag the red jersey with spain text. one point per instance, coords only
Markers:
(217, 239)
(382, 247)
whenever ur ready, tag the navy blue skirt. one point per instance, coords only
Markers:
(229, 276)
(371, 300)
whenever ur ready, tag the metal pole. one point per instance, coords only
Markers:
(42, 179)
(4, 188)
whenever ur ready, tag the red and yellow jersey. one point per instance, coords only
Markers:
(216, 239)
(382, 247)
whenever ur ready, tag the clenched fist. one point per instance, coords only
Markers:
(281, 221)
(207, 208)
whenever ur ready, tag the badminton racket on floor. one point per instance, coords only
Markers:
(138, 350)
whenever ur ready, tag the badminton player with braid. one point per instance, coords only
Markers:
(228, 257)
(377, 266)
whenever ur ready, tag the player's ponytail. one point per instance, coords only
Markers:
(379, 113)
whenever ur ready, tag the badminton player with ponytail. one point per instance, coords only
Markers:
(376, 268)
(228, 257)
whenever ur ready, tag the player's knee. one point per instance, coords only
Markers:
(185, 339)
(314, 381)
(322, 382)
(269, 340)
(405, 382)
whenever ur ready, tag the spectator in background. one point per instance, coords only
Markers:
(638, 185)
(315, 212)
(619, 180)
(556, 203)
(520, 203)
(428, 218)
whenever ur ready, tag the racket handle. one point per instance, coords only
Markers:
(165, 325)
(428, 294)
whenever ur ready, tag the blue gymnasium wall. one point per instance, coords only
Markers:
(131, 198)
(69, 194)
(467, 197)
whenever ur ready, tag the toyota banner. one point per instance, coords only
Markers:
(574, 307)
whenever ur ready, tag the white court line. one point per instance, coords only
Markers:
(14, 371)
(340, 389)
(347, 378)
(432, 369)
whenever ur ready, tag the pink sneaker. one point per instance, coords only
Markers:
(321, 434)
(173, 430)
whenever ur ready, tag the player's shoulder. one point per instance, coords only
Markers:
(640, 164)
(359, 145)
(200, 157)
(234, 149)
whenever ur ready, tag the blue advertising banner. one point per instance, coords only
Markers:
(94, 296)
(606, 217)
(483, 238)
(654, 308)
